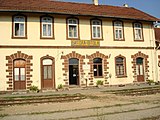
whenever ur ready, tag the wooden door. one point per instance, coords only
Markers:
(47, 78)
(140, 69)
(19, 74)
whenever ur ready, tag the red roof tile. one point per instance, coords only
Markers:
(157, 34)
(52, 6)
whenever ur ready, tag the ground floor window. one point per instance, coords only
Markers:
(120, 66)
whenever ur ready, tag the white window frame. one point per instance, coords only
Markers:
(72, 24)
(136, 33)
(118, 26)
(48, 22)
(96, 26)
(19, 22)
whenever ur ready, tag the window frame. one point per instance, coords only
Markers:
(101, 29)
(124, 66)
(134, 33)
(25, 27)
(97, 64)
(122, 29)
(41, 27)
(77, 28)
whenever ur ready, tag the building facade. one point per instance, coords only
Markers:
(47, 43)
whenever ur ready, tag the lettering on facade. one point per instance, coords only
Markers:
(85, 43)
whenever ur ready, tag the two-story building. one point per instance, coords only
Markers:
(46, 43)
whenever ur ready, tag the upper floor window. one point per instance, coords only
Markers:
(97, 67)
(96, 29)
(19, 27)
(120, 63)
(72, 28)
(118, 30)
(138, 31)
(46, 27)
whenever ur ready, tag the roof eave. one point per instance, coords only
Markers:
(77, 14)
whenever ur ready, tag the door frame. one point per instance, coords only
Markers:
(53, 70)
(78, 81)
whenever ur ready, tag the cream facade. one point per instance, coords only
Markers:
(33, 50)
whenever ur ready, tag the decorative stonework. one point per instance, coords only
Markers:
(11, 59)
(146, 66)
(104, 62)
(66, 65)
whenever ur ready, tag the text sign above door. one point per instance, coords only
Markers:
(85, 43)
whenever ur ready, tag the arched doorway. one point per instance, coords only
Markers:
(19, 71)
(73, 71)
(140, 69)
(47, 73)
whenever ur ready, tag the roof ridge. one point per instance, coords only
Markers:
(74, 8)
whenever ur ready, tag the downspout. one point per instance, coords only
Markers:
(157, 62)
(152, 44)
(155, 56)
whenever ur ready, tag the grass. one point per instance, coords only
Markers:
(151, 118)
(135, 91)
(39, 96)
(3, 115)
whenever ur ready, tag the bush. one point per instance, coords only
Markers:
(60, 86)
(34, 88)
(99, 82)
(150, 82)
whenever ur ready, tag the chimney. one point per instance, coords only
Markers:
(95, 2)
(125, 5)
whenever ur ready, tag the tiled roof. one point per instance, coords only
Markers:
(157, 34)
(51, 6)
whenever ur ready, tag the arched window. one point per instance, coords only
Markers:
(97, 67)
(96, 29)
(19, 26)
(47, 27)
(72, 27)
(120, 63)
(118, 30)
(138, 31)
(73, 61)
(19, 70)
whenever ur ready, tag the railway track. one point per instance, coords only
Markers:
(39, 99)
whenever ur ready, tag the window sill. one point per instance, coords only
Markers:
(19, 37)
(124, 76)
(119, 39)
(73, 38)
(98, 76)
(139, 40)
(49, 38)
(101, 39)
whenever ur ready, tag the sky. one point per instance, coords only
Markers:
(151, 7)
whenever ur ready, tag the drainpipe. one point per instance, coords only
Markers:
(156, 54)
(155, 57)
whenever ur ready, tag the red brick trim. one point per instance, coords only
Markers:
(66, 64)
(9, 69)
(146, 65)
(104, 63)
